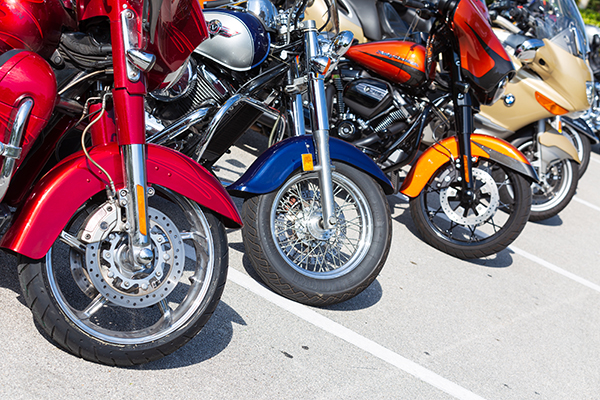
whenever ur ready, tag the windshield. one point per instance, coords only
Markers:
(560, 22)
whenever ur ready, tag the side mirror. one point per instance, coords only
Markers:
(525, 52)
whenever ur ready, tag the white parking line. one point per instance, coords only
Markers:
(554, 268)
(352, 337)
(594, 159)
(577, 199)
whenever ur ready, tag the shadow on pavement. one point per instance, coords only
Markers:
(212, 339)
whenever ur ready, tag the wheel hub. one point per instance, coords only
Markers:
(309, 226)
(110, 270)
(476, 212)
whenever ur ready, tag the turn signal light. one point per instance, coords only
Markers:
(549, 104)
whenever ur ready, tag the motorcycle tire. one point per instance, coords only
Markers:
(583, 146)
(297, 258)
(502, 205)
(86, 300)
(550, 198)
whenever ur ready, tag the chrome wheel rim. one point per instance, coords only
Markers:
(94, 310)
(297, 231)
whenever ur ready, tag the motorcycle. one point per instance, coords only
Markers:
(121, 246)
(552, 83)
(592, 116)
(317, 225)
(469, 194)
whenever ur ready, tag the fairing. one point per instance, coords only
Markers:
(484, 61)
(174, 30)
(48, 209)
(34, 25)
(275, 165)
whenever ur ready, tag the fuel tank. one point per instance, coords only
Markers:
(238, 41)
(34, 25)
(399, 61)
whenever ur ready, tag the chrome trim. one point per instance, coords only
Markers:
(181, 125)
(128, 30)
(16, 134)
(144, 61)
(214, 123)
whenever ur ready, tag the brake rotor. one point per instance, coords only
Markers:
(109, 271)
(482, 212)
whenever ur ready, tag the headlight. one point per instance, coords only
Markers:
(589, 91)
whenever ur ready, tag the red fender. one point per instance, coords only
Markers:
(59, 194)
(481, 146)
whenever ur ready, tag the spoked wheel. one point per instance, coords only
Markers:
(477, 228)
(94, 304)
(285, 240)
(583, 146)
(558, 186)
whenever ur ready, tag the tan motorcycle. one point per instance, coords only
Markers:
(553, 81)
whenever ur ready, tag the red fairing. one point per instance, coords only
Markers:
(478, 44)
(26, 74)
(33, 25)
(175, 30)
(48, 209)
(399, 61)
(180, 28)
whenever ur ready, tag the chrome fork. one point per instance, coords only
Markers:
(320, 125)
(134, 199)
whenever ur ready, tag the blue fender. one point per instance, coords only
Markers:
(275, 165)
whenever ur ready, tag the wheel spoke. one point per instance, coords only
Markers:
(92, 308)
(166, 312)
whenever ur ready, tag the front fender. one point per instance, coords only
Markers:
(58, 195)
(483, 146)
(274, 166)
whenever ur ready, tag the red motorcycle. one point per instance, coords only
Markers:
(122, 247)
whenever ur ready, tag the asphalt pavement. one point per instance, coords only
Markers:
(523, 324)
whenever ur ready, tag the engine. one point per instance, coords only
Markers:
(368, 112)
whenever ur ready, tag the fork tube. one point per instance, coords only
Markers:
(320, 126)
(464, 126)
(128, 97)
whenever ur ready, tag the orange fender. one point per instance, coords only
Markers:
(484, 146)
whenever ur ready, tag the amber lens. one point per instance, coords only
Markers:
(549, 104)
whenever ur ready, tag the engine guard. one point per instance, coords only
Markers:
(59, 194)
(483, 146)
(274, 166)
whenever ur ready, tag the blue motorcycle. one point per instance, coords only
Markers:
(317, 224)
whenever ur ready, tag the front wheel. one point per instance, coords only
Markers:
(95, 304)
(288, 247)
(484, 225)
